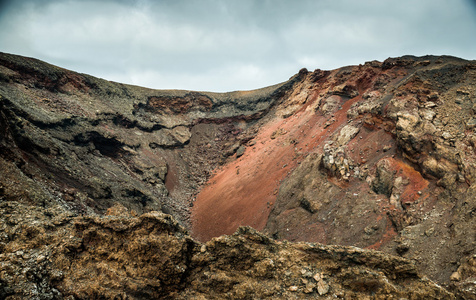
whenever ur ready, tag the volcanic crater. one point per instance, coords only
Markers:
(351, 183)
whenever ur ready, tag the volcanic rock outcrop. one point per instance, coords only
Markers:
(101, 183)
(51, 254)
(377, 156)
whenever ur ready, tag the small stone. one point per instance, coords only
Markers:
(456, 276)
(277, 133)
(430, 231)
(368, 230)
(322, 288)
(56, 275)
(428, 115)
(346, 134)
(240, 151)
(293, 288)
(471, 123)
(446, 135)
(308, 289)
(308, 274)
(317, 277)
(403, 248)
(203, 248)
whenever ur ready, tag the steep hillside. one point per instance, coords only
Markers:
(92, 143)
(377, 156)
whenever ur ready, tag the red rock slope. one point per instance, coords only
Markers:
(379, 155)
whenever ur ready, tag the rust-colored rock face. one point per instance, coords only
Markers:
(370, 156)
(101, 184)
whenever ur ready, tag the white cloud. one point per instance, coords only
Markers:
(227, 78)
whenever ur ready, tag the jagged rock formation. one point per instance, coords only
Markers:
(376, 156)
(51, 254)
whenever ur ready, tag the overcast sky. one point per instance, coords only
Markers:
(230, 44)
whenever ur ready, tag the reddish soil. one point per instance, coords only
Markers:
(243, 192)
(171, 180)
(416, 186)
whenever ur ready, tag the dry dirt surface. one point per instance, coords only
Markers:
(356, 183)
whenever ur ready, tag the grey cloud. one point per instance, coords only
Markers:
(228, 45)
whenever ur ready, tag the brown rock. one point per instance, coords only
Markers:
(80, 155)
(322, 288)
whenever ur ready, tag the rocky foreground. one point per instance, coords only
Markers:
(102, 182)
(50, 254)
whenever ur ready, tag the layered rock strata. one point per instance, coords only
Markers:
(379, 156)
